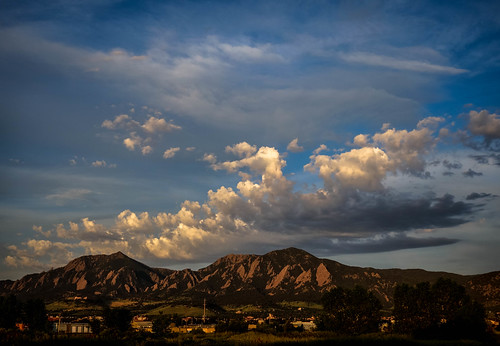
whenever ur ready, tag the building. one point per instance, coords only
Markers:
(142, 323)
(72, 327)
(307, 325)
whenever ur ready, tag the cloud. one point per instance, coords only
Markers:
(39, 229)
(146, 150)
(482, 132)
(200, 80)
(247, 53)
(242, 149)
(431, 122)
(359, 168)
(266, 162)
(476, 195)
(319, 149)
(38, 254)
(471, 174)
(484, 124)
(451, 165)
(130, 221)
(294, 147)
(399, 64)
(379, 243)
(99, 163)
(131, 143)
(407, 148)
(210, 158)
(69, 195)
(352, 211)
(361, 140)
(122, 120)
(391, 151)
(169, 153)
(153, 125)
(267, 210)
(21, 261)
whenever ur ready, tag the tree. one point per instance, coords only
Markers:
(119, 319)
(443, 310)
(351, 311)
(412, 307)
(10, 309)
(161, 324)
(35, 315)
(95, 325)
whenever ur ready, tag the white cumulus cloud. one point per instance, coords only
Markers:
(169, 153)
(294, 146)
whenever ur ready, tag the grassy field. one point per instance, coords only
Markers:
(245, 309)
(255, 338)
(181, 310)
(72, 307)
(301, 304)
(166, 307)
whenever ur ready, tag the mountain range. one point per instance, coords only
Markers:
(283, 275)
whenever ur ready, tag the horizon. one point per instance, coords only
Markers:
(178, 132)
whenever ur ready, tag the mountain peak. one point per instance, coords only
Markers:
(119, 254)
(291, 252)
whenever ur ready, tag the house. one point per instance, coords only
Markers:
(142, 323)
(72, 327)
(307, 325)
(79, 326)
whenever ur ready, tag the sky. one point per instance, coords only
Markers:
(367, 132)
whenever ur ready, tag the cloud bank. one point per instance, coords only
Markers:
(354, 211)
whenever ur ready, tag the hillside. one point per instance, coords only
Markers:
(281, 275)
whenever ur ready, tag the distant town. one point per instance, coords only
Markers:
(421, 312)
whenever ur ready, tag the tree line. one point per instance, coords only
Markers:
(32, 312)
(442, 310)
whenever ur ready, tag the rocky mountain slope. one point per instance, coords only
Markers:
(289, 274)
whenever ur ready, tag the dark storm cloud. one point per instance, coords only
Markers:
(414, 214)
(328, 247)
(369, 214)
(485, 159)
(471, 174)
(481, 159)
(476, 195)
(452, 165)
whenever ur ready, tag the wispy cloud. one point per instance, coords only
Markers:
(399, 64)
(69, 195)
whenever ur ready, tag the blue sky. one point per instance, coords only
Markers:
(180, 131)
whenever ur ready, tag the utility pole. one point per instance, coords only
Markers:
(204, 309)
